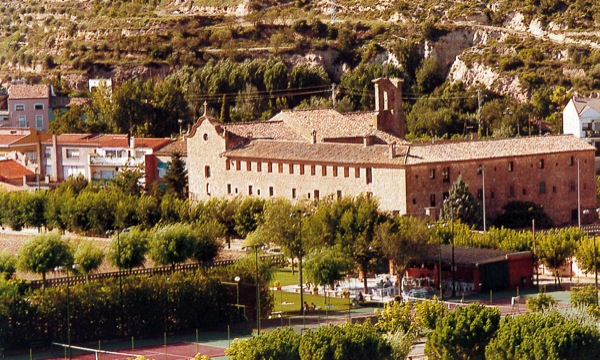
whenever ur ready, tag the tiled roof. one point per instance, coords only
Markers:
(319, 152)
(65, 101)
(491, 149)
(329, 124)
(407, 154)
(583, 103)
(12, 170)
(110, 141)
(7, 139)
(28, 92)
(468, 255)
(276, 130)
(152, 143)
(179, 146)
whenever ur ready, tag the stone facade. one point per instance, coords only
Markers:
(313, 154)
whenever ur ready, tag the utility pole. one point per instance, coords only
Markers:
(479, 101)
(333, 94)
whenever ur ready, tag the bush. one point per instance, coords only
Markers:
(283, 343)
(395, 316)
(543, 336)
(348, 341)
(463, 333)
(584, 296)
(428, 313)
(540, 303)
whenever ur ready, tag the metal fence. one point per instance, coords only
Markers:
(162, 270)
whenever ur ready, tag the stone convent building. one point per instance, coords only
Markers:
(312, 154)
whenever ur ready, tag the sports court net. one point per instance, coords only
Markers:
(84, 353)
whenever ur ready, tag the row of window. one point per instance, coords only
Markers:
(21, 107)
(301, 168)
(481, 169)
(39, 122)
(315, 195)
(511, 192)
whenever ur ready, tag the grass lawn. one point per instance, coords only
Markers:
(290, 302)
(284, 275)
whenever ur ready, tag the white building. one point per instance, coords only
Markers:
(581, 118)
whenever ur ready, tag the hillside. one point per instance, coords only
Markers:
(511, 48)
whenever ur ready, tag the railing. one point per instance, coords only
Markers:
(116, 161)
(163, 270)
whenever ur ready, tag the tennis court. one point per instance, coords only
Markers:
(173, 351)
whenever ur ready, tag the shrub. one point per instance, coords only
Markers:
(278, 344)
(395, 316)
(428, 313)
(540, 303)
(584, 296)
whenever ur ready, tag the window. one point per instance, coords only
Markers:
(335, 170)
(316, 197)
(554, 189)
(324, 170)
(510, 166)
(293, 193)
(48, 152)
(22, 121)
(572, 162)
(369, 194)
(301, 169)
(414, 201)
(258, 166)
(357, 172)
(542, 187)
(227, 164)
(38, 106)
(270, 191)
(208, 189)
(291, 168)
(541, 164)
(257, 192)
(72, 153)
(479, 169)
(339, 194)
(432, 200)
(524, 191)
(205, 137)
(346, 171)
(511, 191)
(269, 167)
(369, 176)
(248, 165)
(207, 171)
(446, 174)
(39, 122)
(238, 165)
(492, 195)
(19, 107)
(432, 173)
(479, 194)
(249, 189)
(572, 186)
(229, 188)
(313, 169)
(280, 167)
(445, 195)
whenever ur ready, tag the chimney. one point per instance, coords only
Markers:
(392, 148)
(389, 115)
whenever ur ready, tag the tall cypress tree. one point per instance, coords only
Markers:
(462, 205)
(176, 180)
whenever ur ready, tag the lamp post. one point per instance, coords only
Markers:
(299, 215)
(257, 294)
(483, 196)
(578, 196)
(440, 264)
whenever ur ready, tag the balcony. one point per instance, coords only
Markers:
(592, 133)
(97, 160)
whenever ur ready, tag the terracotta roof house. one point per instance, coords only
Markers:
(159, 161)
(312, 154)
(11, 172)
(98, 157)
(33, 106)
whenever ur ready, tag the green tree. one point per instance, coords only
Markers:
(282, 343)
(8, 265)
(584, 254)
(463, 333)
(147, 211)
(88, 256)
(248, 215)
(128, 249)
(429, 76)
(518, 215)
(207, 245)
(34, 207)
(428, 313)
(461, 205)
(402, 240)
(542, 302)
(172, 244)
(176, 179)
(325, 266)
(128, 182)
(540, 336)
(555, 247)
(43, 253)
(356, 234)
(396, 316)
(584, 296)
(348, 341)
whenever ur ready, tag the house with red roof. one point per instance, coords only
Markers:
(312, 154)
(98, 157)
(12, 172)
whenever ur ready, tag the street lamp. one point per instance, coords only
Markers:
(300, 215)
(578, 196)
(483, 196)
(257, 295)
